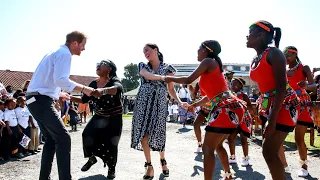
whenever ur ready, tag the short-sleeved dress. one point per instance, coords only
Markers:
(150, 111)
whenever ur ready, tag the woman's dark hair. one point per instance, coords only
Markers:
(113, 72)
(213, 49)
(273, 33)
(160, 56)
(292, 48)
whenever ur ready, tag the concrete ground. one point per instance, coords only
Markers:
(183, 163)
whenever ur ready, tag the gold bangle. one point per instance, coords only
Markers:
(82, 89)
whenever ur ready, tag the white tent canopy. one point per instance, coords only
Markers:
(133, 92)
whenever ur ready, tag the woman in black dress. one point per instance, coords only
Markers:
(102, 134)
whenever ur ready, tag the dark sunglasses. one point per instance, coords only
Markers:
(102, 63)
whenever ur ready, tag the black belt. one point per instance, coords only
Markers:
(33, 94)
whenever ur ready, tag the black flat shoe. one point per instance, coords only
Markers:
(145, 177)
(92, 160)
(32, 152)
(111, 175)
(164, 172)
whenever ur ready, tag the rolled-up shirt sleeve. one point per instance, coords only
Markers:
(61, 72)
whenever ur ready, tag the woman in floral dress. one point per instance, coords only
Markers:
(150, 111)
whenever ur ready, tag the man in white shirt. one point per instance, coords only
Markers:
(50, 77)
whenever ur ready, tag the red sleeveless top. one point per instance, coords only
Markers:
(262, 74)
(213, 83)
(296, 78)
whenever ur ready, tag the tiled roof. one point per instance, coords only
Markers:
(17, 78)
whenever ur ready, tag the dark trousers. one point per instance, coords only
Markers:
(5, 144)
(10, 142)
(57, 138)
(27, 133)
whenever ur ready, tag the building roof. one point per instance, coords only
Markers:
(17, 78)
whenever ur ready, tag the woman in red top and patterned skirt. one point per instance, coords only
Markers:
(297, 75)
(226, 111)
(278, 103)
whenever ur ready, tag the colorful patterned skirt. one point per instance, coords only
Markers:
(226, 113)
(305, 117)
(289, 111)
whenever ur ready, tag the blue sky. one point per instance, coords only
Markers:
(118, 30)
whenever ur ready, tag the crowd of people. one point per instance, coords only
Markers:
(15, 123)
(283, 105)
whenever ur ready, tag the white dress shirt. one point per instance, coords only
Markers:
(1, 115)
(52, 74)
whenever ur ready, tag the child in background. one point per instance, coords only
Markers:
(175, 111)
(58, 107)
(244, 128)
(2, 125)
(170, 112)
(12, 130)
(34, 136)
(24, 119)
(74, 117)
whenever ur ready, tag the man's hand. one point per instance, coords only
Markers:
(97, 92)
(64, 96)
(88, 91)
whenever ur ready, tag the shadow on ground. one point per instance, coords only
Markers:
(314, 152)
(242, 174)
(249, 172)
(95, 177)
(183, 130)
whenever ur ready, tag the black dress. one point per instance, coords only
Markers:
(102, 133)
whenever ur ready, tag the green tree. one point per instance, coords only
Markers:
(131, 77)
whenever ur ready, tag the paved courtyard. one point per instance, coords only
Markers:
(183, 163)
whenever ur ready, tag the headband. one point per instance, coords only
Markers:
(207, 47)
(262, 26)
(239, 81)
(292, 50)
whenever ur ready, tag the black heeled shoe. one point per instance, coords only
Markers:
(164, 172)
(92, 160)
(145, 177)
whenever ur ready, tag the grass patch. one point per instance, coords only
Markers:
(127, 116)
(291, 142)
